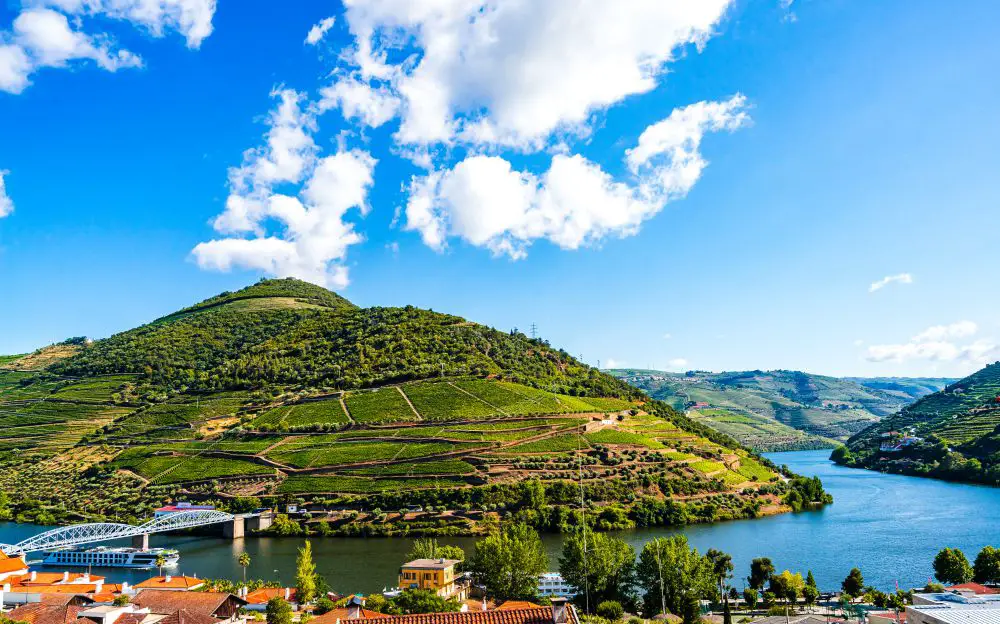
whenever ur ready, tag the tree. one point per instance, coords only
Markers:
(951, 567)
(854, 585)
(425, 601)
(244, 561)
(428, 548)
(278, 611)
(987, 566)
(305, 575)
(810, 595)
(722, 569)
(324, 605)
(600, 566)
(673, 576)
(611, 610)
(159, 562)
(507, 563)
(761, 570)
(751, 596)
(121, 600)
(811, 580)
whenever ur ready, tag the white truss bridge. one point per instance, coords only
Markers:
(80, 534)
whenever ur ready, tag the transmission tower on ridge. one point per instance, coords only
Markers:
(534, 331)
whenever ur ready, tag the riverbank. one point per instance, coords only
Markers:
(890, 526)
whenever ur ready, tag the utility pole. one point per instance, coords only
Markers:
(534, 331)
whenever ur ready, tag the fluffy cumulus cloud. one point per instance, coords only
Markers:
(484, 201)
(48, 33)
(902, 278)
(6, 203)
(513, 72)
(319, 30)
(463, 88)
(940, 343)
(304, 234)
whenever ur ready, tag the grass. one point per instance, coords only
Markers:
(614, 436)
(347, 453)
(442, 467)
(707, 467)
(164, 469)
(379, 406)
(321, 412)
(357, 485)
(754, 470)
(442, 401)
(555, 444)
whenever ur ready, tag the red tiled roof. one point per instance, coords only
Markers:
(262, 595)
(11, 564)
(166, 601)
(183, 616)
(517, 604)
(331, 617)
(41, 613)
(534, 615)
(976, 588)
(174, 582)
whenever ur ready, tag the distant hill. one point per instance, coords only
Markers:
(952, 434)
(781, 410)
(287, 392)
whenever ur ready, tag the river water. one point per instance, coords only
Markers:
(890, 526)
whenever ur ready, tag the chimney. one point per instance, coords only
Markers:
(86, 577)
(65, 577)
(125, 587)
(354, 607)
(167, 578)
(6, 587)
(560, 610)
(288, 593)
(33, 576)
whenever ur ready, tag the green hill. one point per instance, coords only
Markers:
(952, 434)
(781, 410)
(284, 391)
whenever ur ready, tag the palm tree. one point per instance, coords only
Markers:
(244, 561)
(159, 563)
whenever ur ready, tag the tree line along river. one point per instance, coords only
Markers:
(890, 526)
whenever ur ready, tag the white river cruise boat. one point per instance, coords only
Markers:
(102, 557)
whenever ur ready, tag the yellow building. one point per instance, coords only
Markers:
(437, 575)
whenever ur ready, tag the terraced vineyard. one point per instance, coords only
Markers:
(284, 391)
(781, 410)
(951, 434)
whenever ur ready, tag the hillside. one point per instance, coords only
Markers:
(780, 410)
(951, 434)
(286, 392)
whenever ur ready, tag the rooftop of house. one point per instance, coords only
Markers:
(343, 614)
(11, 564)
(41, 613)
(53, 578)
(167, 601)
(431, 564)
(262, 595)
(511, 605)
(171, 582)
(975, 588)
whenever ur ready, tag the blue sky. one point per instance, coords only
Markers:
(734, 175)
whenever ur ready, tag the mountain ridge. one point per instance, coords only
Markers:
(285, 391)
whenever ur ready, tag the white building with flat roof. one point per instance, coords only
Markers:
(954, 608)
(553, 584)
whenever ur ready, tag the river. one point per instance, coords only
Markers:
(890, 526)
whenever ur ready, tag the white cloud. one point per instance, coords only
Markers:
(667, 336)
(42, 34)
(902, 278)
(677, 365)
(613, 363)
(372, 105)
(513, 73)
(487, 203)
(669, 150)
(940, 343)
(190, 18)
(961, 329)
(313, 238)
(6, 203)
(317, 32)
(50, 41)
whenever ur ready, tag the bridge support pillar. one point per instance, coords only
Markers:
(234, 528)
(259, 522)
(141, 541)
